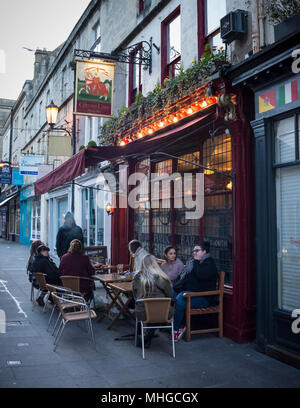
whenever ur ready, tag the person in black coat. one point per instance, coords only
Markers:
(66, 234)
(44, 264)
(200, 277)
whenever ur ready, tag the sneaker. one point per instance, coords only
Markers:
(178, 334)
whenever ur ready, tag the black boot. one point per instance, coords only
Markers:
(40, 301)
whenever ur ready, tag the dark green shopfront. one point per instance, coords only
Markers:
(275, 85)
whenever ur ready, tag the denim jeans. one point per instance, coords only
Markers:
(180, 306)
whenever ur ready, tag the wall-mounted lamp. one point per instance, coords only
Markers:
(109, 209)
(52, 111)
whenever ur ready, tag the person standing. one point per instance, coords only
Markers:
(66, 234)
(201, 277)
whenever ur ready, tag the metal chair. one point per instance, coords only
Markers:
(157, 313)
(84, 314)
(61, 291)
(73, 283)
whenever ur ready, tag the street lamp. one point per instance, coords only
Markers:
(52, 111)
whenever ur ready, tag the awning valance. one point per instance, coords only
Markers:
(91, 156)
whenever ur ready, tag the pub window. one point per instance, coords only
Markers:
(142, 213)
(287, 175)
(169, 225)
(171, 45)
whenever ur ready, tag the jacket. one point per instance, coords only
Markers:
(162, 288)
(45, 265)
(77, 265)
(65, 235)
(202, 278)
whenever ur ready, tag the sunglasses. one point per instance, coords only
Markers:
(197, 250)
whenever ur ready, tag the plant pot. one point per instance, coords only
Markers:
(287, 27)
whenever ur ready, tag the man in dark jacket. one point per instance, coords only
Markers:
(44, 264)
(66, 234)
(201, 277)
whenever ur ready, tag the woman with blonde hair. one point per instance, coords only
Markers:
(150, 282)
(75, 263)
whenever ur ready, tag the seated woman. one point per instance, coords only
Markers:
(44, 264)
(33, 252)
(75, 263)
(173, 265)
(150, 282)
(198, 276)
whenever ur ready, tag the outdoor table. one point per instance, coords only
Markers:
(117, 289)
(106, 280)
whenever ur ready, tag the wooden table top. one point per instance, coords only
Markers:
(122, 286)
(109, 278)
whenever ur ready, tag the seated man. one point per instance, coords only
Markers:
(201, 276)
(44, 264)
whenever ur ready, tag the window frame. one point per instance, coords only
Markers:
(133, 92)
(203, 38)
(165, 66)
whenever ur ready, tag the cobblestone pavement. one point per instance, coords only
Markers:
(27, 358)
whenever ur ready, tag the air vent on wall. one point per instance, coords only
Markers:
(233, 26)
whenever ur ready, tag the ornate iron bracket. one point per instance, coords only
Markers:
(140, 53)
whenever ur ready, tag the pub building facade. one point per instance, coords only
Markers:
(273, 75)
(219, 138)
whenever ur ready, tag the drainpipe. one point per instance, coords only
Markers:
(255, 26)
(261, 23)
(11, 134)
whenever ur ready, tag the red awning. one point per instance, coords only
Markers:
(91, 156)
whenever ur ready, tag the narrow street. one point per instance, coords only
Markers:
(27, 358)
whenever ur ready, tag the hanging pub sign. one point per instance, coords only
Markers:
(94, 88)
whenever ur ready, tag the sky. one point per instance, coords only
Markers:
(32, 24)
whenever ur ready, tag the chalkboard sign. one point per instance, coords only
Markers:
(97, 253)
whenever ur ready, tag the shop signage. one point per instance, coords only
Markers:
(29, 164)
(26, 193)
(17, 178)
(94, 85)
(5, 174)
(60, 146)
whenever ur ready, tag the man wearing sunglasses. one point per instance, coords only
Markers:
(200, 276)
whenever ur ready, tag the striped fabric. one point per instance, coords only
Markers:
(288, 93)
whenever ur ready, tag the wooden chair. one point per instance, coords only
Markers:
(205, 310)
(157, 313)
(41, 280)
(73, 283)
